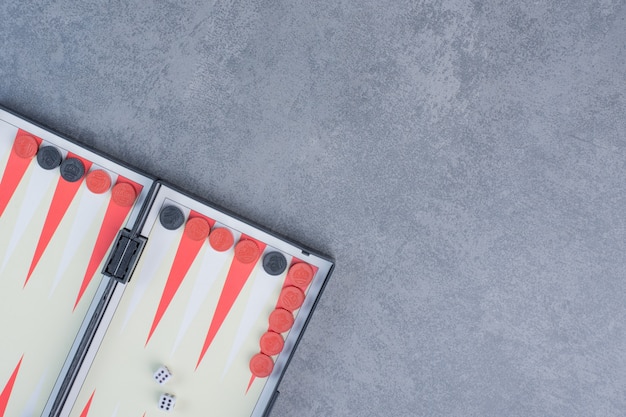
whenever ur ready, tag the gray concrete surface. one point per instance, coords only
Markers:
(463, 161)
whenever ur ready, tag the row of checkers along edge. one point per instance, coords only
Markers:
(281, 319)
(291, 297)
(72, 169)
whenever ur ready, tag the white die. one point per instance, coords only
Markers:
(162, 375)
(167, 402)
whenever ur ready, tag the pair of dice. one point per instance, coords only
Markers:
(166, 401)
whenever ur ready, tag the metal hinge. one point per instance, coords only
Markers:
(124, 256)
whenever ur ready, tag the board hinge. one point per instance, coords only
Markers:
(124, 256)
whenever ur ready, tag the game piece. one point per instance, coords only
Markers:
(167, 402)
(162, 375)
(301, 275)
(261, 365)
(271, 343)
(49, 157)
(281, 320)
(98, 181)
(72, 169)
(197, 228)
(246, 251)
(123, 194)
(221, 239)
(291, 298)
(25, 146)
(171, 217)
(274, 263)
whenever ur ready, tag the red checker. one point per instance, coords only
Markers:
(25, 146)
(221, 239)
(247, 251)
(271, 343)
(123, 194)
(291, 298)
(98, 182)
(301, 274)
(197, 228)
(281, 320)
(261, 365)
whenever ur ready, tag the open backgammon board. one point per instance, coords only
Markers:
(123, 296)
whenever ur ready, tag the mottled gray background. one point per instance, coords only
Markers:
(463, 161)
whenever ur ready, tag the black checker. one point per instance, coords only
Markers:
(274, 263)
(49, 157)
(72, 169)
(171, 217)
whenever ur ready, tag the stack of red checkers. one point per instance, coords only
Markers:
(291, 298)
